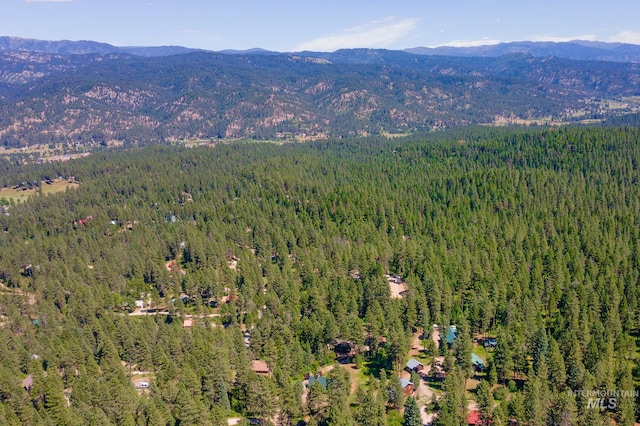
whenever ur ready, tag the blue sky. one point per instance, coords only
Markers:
(287, 25)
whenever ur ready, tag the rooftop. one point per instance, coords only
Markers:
(412, 364)
(260, 366)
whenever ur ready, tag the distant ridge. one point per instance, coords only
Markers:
(84, 47)
(254, 51)
(582, 50)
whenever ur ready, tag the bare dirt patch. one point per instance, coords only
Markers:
(397, 286)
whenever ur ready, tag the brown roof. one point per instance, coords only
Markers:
(27, 383)
(260, 366)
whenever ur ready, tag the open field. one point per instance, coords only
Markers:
(40, 150)
(395, 135)
(18, 195)
(44, 153)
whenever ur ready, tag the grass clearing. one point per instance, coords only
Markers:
(482, 352)
(20, 195)
(394, 135)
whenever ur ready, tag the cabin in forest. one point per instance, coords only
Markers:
(490, 342)
(474, 418)
(27, 383)
(452, 334)
(260, 367)
(187, 323)
(478, 363)
(345, 351)
(407, 387)
(414, 365)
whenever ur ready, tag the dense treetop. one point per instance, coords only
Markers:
(530, 236)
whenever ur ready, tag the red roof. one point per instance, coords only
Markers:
(474, 418)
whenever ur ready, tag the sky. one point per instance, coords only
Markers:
(327, 25)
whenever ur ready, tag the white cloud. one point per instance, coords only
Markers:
(627, 36)
(380, 33)
(546, 37)
(470, 43)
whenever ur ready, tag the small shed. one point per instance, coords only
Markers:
(188, 323)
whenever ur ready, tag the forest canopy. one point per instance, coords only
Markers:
(275, 253)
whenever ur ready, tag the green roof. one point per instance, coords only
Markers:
(477, 361)
(452, 334)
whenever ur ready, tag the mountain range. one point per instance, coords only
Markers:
(67, 47)
(582, 50)
(87, 92)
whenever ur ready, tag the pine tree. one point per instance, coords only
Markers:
(502, 359)
(557, 370)
(540, 349)
(535, 402)
(625, 402)
(411, 413)
(372, 409)
(338, 386)
(563, 409)
(317, 400)
(54, 403)
(492, 374)
(485, 401)
(453, 406)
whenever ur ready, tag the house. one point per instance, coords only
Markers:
(414, 365)
(260, 367)
(478, 363)
(345, 351)
(474, 418)
(490, 342)
(188, 323)
(27, 383)
(142, 385)
(139, 304)
(318, 379)
(407, 387)
(451, 335)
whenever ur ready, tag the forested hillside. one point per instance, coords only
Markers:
(117, 98)
(276, 253)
